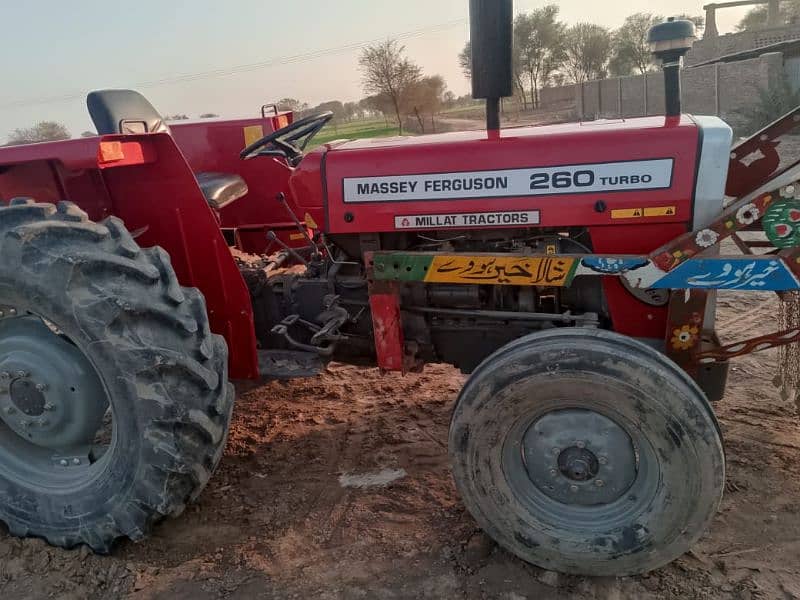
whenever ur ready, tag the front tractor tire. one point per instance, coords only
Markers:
(114, 397)
(587, 452)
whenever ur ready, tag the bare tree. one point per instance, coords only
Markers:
(44, 131)
(209, 116)
(387, 71)
(587, 50)
(538, 47)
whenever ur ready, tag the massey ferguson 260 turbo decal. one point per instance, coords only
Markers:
(538, 181)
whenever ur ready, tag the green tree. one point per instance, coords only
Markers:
(465, 60)
(756, 18)
(425, 97)
(292, 104)
(538, 47)
(44, 131)
(587, 51)
(385, 70)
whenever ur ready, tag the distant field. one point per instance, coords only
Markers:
(354, 131)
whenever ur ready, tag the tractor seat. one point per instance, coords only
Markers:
(126, 112)
(220, 189)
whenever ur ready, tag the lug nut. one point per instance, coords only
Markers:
(63, 462)
(25, 424)
(573, 488)
(5, 375)
(9, 410)
(40, 387)
(76, 461)
(12, 312)
(44, 423)
(556, 451)
(553, 472)
(22, 373)
(602, 460)
(580, 445)
(48, 406)
(599, 482)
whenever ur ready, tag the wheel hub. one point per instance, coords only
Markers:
(578, 464)
(49, 393)
(578, 456)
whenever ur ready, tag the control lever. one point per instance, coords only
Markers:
(315, 253)
(272, 237)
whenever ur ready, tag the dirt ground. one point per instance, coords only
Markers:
(339, 487)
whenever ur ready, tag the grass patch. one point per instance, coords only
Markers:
(356, 130)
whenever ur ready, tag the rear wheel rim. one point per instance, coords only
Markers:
(56, 424)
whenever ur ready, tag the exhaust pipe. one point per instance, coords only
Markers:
(491, 36)
(669, 43)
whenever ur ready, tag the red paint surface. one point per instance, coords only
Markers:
(388, 330)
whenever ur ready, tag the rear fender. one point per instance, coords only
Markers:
(145, 181)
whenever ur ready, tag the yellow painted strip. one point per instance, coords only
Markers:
(660, 211)
(497, 270)
(295, 237)
(626, 213)
(252, 134)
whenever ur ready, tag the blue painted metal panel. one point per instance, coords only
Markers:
(761, 273)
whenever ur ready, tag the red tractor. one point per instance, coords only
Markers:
(570, 269)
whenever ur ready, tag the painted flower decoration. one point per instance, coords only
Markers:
(685, 337)
(706, 238)
(748, 214)
(791, 191)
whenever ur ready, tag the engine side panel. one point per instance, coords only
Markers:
(591, 174)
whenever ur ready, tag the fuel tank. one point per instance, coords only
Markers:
(640, 171)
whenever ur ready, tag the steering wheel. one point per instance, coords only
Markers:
(283, 142)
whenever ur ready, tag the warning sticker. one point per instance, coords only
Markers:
(537, 181)
(660, 211)
(637, 213)
(465, 220)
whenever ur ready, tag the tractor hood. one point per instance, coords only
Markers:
(596, 173)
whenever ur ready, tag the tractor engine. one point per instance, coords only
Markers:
(455, 324)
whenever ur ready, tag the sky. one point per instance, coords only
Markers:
(54, 52)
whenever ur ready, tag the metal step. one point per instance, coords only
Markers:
(288, 364)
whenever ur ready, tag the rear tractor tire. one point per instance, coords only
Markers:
(114, 398)
(587, 452)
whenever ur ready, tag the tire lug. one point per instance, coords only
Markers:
(12, 312)
(22, 374)
(76, 461)
(556, 451)
(573, 488)
(553, 472)
(41, 387)
(63, 462)
(5, 375)
(580, 445)
(602, 460)
(49, 407)
(599, 482)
